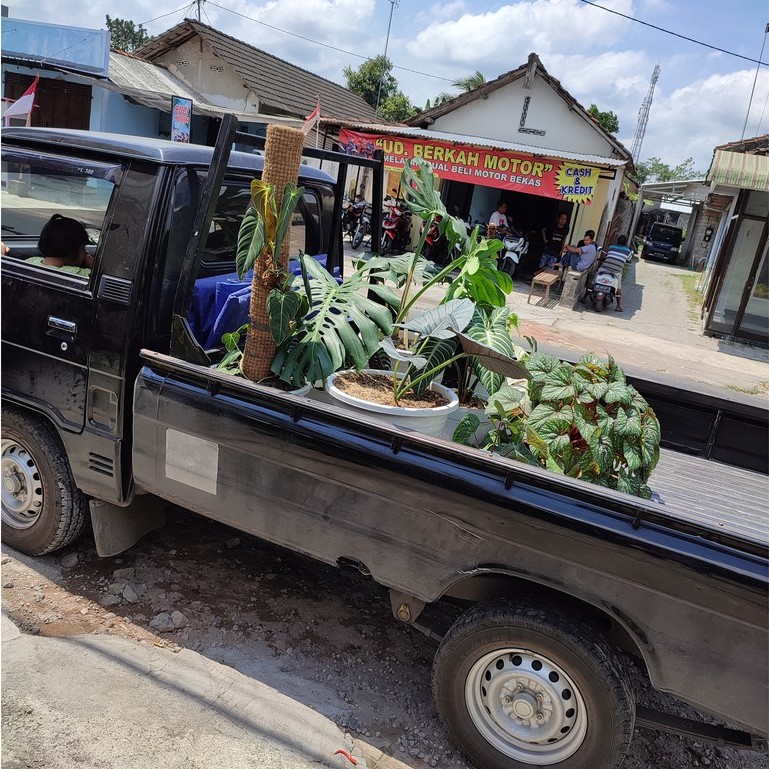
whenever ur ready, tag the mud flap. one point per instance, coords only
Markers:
(115, 529)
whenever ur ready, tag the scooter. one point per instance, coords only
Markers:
(515, 246)
(602, 291)
(396, 228)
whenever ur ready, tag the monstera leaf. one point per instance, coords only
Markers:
(341, 325)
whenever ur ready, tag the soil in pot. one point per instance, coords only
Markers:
(379, 389)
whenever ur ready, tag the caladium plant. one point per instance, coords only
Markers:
(582, 420)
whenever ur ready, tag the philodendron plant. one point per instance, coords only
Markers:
(430, 346)
(582, 420)
(436, 339)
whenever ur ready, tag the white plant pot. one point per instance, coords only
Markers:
(427, 420)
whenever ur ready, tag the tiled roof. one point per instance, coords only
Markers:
(757, 145)
(280, 86)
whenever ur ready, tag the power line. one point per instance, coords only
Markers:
(753, 89)
(325, 45)
(162, 16)
(675, 34)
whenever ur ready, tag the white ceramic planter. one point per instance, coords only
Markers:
(428, 420)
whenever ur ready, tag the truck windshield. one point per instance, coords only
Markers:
(667, 234)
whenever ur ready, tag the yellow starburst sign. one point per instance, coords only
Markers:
(576, 183)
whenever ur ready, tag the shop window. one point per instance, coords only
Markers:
(755, 321)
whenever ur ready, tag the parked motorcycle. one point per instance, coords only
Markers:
(352, 211)
(362, 228)
(396, 228)
(602, 291)
(435, 243)
(514, 248)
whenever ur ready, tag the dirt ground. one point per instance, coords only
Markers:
(320, 635)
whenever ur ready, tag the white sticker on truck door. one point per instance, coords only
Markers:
(192, 461)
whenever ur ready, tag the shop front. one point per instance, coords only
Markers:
(736, 303)
(473, 178)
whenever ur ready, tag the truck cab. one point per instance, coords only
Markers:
(664, 243)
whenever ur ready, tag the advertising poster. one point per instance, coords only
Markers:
(181, 117)
(531, 174)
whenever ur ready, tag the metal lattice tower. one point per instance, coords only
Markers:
(643, 116)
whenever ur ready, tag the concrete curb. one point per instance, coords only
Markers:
(99, 700)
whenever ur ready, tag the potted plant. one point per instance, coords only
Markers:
(468, 324)
(582, 420)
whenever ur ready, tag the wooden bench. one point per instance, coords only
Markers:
(545, 279)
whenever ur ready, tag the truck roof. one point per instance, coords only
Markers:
(144, 148)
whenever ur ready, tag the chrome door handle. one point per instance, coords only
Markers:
(59, 328)
(58, 324)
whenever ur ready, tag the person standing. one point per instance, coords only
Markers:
(554, 238)
(614, 263)
(579, 257)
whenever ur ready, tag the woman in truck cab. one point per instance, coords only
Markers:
(62, 245)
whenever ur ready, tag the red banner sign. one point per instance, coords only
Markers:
(551, 178)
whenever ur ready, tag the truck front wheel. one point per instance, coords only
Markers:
(42, 508)
(521, 686)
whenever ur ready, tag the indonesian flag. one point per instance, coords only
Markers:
(312, 119)
(24, 104)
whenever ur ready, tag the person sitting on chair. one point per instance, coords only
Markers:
(579, 257)
(62, 245)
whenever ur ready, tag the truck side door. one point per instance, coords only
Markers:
(49, 313)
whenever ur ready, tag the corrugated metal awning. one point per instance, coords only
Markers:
(740, 169)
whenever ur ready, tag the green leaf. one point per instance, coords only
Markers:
(442, 321)
(550, 420)
(291, 197)
(283, 309)
(540, 365)
(399, 354)
(558, 384)
(628, 422)
(508, 400)
(465, 430)
(618, 392)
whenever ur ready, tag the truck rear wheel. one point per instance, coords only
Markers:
(42, 508)
(521, 686)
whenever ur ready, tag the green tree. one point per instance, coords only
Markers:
(365, 81)
(654, 170)
(608, 120)
(125, 35)
(397, 108)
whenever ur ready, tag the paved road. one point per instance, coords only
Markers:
(659, 334)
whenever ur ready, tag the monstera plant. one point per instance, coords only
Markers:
(582, 420)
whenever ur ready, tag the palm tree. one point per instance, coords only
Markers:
(471, 82)
(465, 84)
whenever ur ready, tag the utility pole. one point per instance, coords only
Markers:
(199, 3)
(643, 117)
(393, 5)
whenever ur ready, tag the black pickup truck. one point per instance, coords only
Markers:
(111, 406)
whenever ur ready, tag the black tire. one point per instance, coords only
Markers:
(600, 303)
(584, 716)
(386, 245)
(42, 508)
(358, 235)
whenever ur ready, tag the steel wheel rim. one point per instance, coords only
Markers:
(22, 487)
(526, 706)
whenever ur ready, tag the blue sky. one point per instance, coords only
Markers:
(701, 99)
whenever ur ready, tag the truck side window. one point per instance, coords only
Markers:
(35, 186)
(219, 302)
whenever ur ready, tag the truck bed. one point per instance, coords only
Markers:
(706, 492)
